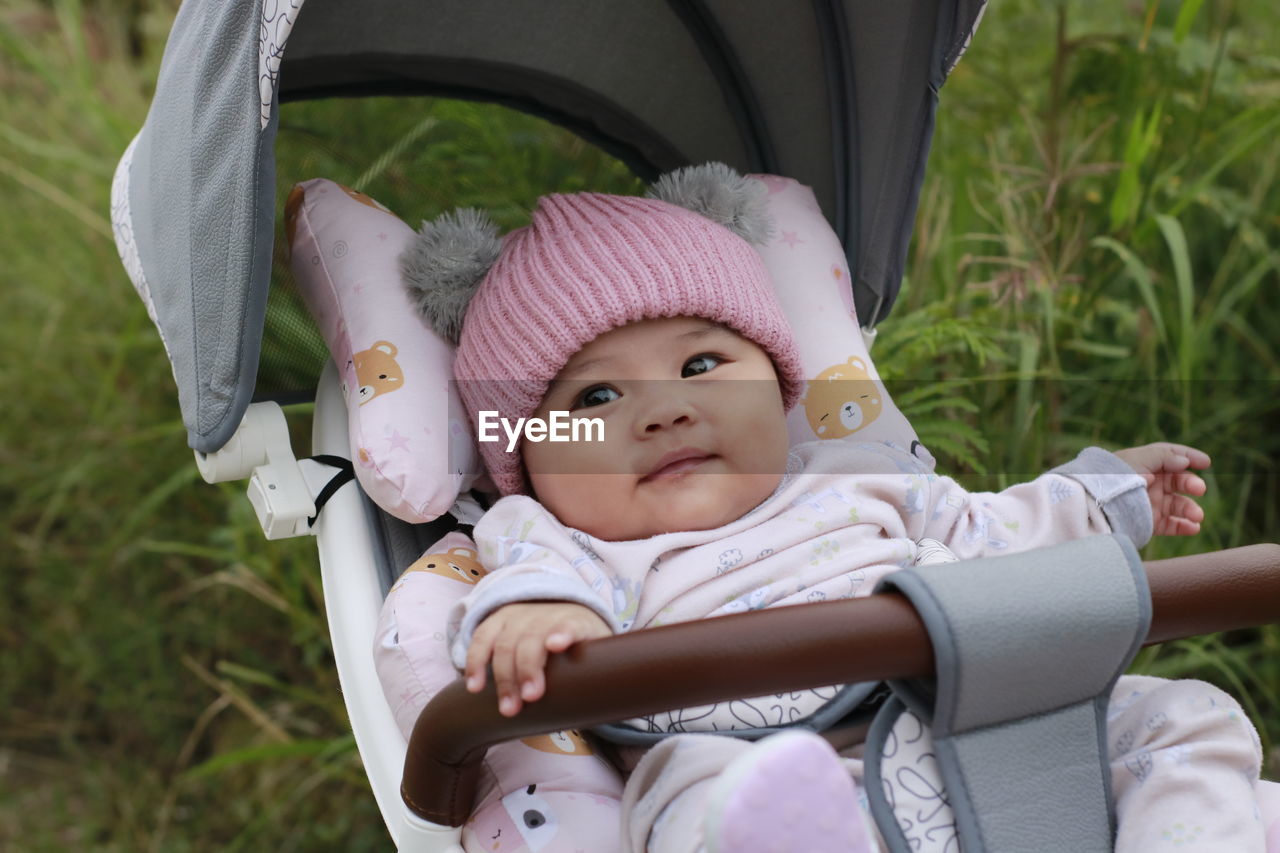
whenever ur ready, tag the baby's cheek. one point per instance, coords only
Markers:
(583, 484)
(587, 457)
(594, 504)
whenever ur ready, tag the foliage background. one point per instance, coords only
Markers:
(1095, 261)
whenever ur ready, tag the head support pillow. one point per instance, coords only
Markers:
(412, 451)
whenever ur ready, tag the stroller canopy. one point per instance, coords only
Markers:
(838, 94)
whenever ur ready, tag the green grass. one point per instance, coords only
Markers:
(1095, 261)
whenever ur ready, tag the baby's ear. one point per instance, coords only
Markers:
(717, 192)
(445, 263)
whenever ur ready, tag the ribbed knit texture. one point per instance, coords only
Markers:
(588, 263)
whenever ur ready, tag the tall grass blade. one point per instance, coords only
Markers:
(147, 508)
(1025, 408)
(1176, 239)
(1260, 346)
(1244, 288)
(1264, 131)
(50, 192)
(1186, 17)
(383, 161)
(1141, 278)
(271, 752)
(1143, 134)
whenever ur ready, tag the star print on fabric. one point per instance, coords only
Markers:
(790, 238)
(396, 441)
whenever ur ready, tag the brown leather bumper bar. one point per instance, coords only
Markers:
(769, 651)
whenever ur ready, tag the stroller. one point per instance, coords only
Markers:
(659, 85)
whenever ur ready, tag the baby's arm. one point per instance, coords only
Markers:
(1097, 492)
(534, 600)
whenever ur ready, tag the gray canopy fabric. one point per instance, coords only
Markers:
(839, 94)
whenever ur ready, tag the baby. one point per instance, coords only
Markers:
(663, 324)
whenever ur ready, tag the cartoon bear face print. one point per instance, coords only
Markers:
(842, 400)
(368, 201)
(526, 823)
(459, 564)
(377, 371)
(534, 818)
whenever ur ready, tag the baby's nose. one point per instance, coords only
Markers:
(667, 410)
(659, 423)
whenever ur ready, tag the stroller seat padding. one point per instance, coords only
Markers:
(1028, 647)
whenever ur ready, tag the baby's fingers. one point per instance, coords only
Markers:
(583, 626)
(1198, 458)
(1179, 457)
(1181, 517)
(505, 674)
(1184, 507)
(478, 654)
(531, 658)
(1178, 527)
(1188, 483)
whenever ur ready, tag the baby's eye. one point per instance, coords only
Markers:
(596, 395)
(699, 364)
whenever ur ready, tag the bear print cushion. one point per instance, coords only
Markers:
(844, 398)
(410, 444)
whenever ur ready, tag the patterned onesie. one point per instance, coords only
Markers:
(845, 515)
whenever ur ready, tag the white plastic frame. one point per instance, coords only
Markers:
(280, 490)
(353, 599)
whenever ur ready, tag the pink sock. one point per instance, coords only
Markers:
(789, 792)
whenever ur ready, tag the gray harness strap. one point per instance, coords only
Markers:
(1028, 647)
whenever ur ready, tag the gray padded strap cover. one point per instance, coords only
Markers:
(1028, 647)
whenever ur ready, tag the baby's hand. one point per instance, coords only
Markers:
(1164, 467)
(517, 637)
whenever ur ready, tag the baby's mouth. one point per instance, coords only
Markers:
(677, 463)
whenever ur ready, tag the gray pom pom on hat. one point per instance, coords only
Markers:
(445, 263)
(719, 193)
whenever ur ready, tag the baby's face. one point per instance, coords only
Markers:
(694, 431)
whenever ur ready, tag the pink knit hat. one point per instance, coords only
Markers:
(588, 263)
